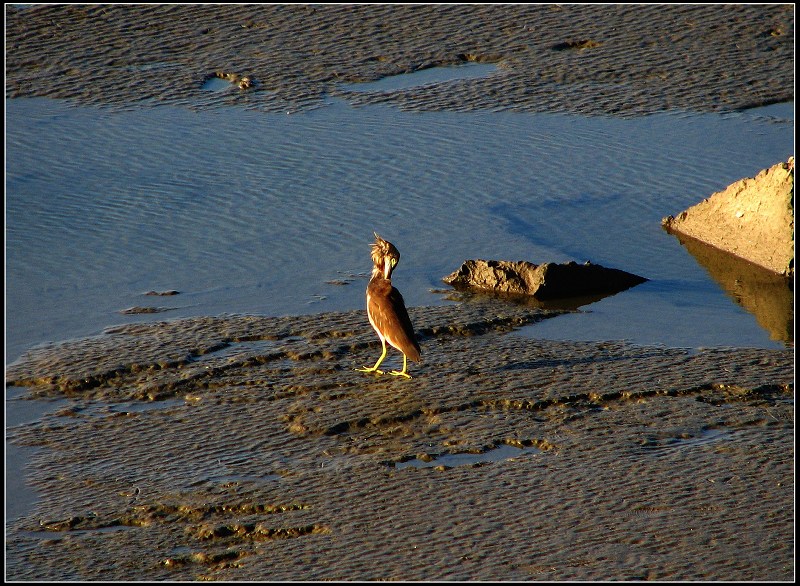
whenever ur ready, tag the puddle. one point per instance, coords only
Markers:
(237, 350)
(142, 407)
(423, 77)
(498, 454)
(107, 529)
(706, 437)
(662, 446)
(154, 65)
(216, 84)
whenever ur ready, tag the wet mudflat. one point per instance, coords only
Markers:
(601, 60)
(264, 455)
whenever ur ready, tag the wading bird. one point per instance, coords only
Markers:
(386, 309)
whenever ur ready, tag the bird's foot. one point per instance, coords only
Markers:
(399, 373)
(368, 369)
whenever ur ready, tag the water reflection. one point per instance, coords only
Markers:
(462, 294)
(766, 295)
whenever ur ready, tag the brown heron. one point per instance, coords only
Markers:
(386, 309)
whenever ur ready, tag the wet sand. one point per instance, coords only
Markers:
(262, 454)
(244, 448)
(599, 60)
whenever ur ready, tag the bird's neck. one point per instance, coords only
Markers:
(377, 273)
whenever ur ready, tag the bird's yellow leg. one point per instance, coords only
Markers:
(377, 364)
(405, 368)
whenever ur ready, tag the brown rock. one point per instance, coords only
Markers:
(544, 281)
(752, 219)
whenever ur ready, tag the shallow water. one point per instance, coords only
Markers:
(496, 454)
(423, 77)
(248, 212)
(20, 498)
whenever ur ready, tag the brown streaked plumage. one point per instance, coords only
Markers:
(387, 310)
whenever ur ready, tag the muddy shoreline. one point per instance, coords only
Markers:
(241, 448)
(247, 448)
(593, 60)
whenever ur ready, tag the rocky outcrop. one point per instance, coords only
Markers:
(544, 281)
(752, 219)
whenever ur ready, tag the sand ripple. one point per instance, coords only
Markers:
(242, 447)
(637, 59)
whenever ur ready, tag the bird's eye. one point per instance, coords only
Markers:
(394, 261)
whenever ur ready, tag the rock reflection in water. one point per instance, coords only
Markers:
(767, 295)
(462, 294)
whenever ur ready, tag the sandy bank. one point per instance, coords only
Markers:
(619, 60)
(247, 448)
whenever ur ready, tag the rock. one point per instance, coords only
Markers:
(752, 219)
(544, 281)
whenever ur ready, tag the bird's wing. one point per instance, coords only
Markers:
(391, 318)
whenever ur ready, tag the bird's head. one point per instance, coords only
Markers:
(384, 256)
